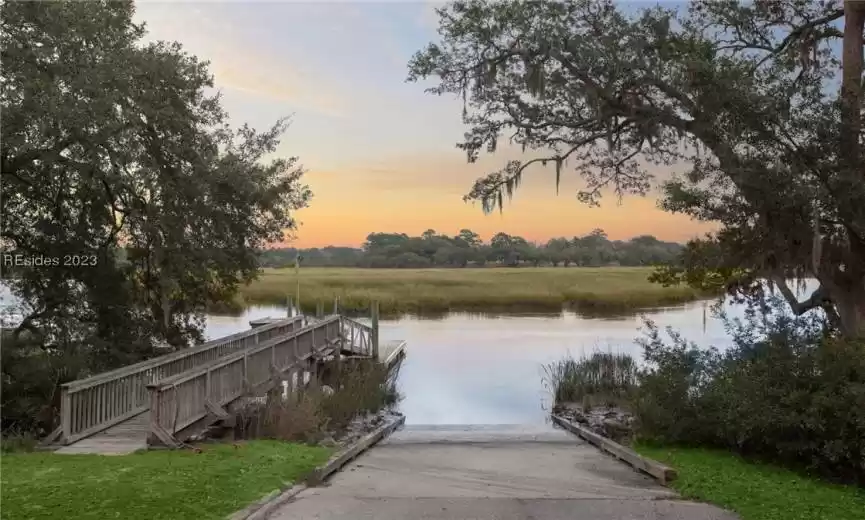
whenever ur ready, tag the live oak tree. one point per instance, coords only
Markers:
(749, 96)
(118, 161)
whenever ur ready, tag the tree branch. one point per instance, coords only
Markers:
(817, 299)
(483, 192)
(13, 164)
(798, 32)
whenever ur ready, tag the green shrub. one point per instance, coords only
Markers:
(786, 391)
(668, 404)
(296, 416)
(33, 369)
(12, 442)
(31, 378)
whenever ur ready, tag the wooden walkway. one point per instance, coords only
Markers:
(120, 439)
(167, 400)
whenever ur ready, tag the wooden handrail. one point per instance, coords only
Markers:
(356, 322)
(358, 335)
(227, 360)
(80, 384)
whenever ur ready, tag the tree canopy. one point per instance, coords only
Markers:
(118, 165)
(467, 249)
(749, 96)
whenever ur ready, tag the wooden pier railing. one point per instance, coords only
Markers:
(94, 404)
(185, 404)
(358, 337)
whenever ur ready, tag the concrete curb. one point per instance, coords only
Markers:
(660, 472)
(263, 508)
(343, 457)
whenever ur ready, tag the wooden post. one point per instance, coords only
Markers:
(245, 374)
(153, 427)
(319, 309)
(296, 349)
(374, 333)
(289, 307)
(340, 346)
(326, 336)
(65, 414)
(336, 305)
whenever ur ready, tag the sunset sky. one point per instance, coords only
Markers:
(380, 153)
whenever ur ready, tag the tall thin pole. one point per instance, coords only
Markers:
(297, 260)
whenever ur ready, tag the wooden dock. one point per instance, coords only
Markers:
(166, 400)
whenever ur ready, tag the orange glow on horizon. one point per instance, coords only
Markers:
(327, 223)
(411, 195)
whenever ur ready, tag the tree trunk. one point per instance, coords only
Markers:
(851, 313)
(851, 84)
(850, 300)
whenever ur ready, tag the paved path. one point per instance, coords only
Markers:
(490, 473)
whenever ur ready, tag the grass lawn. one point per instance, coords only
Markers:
(176, 485)
(603, 289)
(757, 491)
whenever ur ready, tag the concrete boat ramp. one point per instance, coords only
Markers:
(490, 473)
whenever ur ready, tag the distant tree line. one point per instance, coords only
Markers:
(467, 249)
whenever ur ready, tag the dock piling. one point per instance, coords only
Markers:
(374, 333)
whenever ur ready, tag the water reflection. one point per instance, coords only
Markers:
(242, 313)
(473, 368)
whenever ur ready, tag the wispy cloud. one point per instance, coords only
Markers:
(238, 63)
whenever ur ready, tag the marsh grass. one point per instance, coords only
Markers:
(308, 414)
(590, 290)
(602, 378)
(362, 387)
